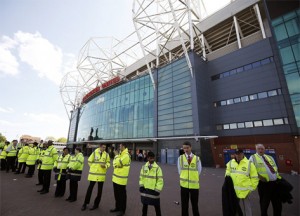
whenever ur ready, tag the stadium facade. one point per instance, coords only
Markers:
(234, 84)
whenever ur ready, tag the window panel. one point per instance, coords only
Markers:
(226, 126)
(280, 32)
(233, 126)
(241, 125)
(287, 55)
(249, 124)
(268, 122)
(245, 98)
(262, 95)
(253, 97)
(272, 93)
(183, 119)
(237, 100)
(278, 121)
(258, 124)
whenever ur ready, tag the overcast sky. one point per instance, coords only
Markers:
(39, 42)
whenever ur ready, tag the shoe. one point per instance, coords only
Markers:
(120, 213)
(41, 190)
(94, 207)
(72, 200)
(16, 173)
(114, 210)
(38, 184)
(83, 208)
(28, 176)
(44, 192)
(68, 199)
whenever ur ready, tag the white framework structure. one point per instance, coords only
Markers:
(165, 30)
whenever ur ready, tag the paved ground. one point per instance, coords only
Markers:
(19, 195)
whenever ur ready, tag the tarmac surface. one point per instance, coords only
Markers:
(19, 195)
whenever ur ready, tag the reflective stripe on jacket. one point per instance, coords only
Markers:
(23, 154)
(261, 168)
(189, 175)
(121, 165)
(98, 173)
(33, 155)
(49, 157)
(244, 176)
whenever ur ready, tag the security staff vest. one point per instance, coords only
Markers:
(33, 155)
(61, 164)
(151, 178)
(76, 164)
(12, 152)
(50, 155)
(121, 165)
(3, 153)
(189, 175)
(23, 154)
(243, 175)
(40, 157)
(97, 173)
(261, 168)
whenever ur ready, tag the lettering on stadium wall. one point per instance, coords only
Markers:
(99, 88)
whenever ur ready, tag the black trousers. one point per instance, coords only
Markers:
(157, 210)
(73, 190)
(30, 170)
(22, 167)
(120, 197)
(268, 192)
(41, 176)
(89, 193)
(185, 196)
(46, 179)
(3, 164)
(60, 188)
(11, 163)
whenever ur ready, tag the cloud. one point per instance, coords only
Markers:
(8, 62)
(48, 118)
(6, 110)
(45, 58)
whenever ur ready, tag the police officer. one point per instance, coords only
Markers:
(151, 184)
(99, 162)
(60, 167)
(11, 156)
(3, 155)
(244, 177)
(74, 170)
(189, 168)
(22, 157)
(42, 147)
(267, 187)
(50, 156)
(121, 164)
(31, 159)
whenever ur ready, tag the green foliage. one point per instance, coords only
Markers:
(2, 138)
(62, 140)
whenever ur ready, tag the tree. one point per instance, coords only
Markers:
(62, 140)
(2, 138)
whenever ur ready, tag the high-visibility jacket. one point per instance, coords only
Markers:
(50, 155)
(261, 168)
(96, 159)
(11, 151)
(151, 178)
(23, 154)
(40, 158)
(121, 165)
(75, 166)
(60, 166)
(33, 155)
(189, 175)
(3, 153)
(244, 176)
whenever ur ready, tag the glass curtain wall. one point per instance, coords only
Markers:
(287, 32)
(124, 112)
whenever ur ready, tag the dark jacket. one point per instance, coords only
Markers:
(149, 197)
(284, 189)
(230, 202)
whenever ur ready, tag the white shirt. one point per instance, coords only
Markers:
(191, 156)
(272, 176)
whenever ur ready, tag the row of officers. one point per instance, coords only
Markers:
(241, 178)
